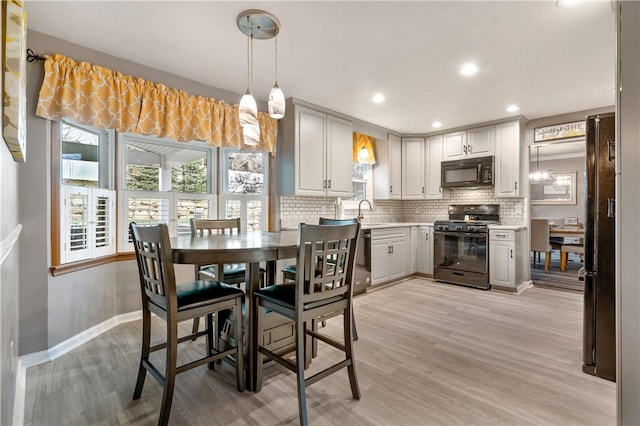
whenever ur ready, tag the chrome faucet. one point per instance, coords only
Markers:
(360, 217)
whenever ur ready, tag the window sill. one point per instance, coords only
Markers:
(89, 263)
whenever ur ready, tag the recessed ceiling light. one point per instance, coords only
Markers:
(378, 98)
(469, 69)
(436, 124)
(513, 108)
(566, 3)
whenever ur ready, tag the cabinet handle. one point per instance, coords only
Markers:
(611, 150)
(324, 184)
(501, 235)
(426, 237)
(511, 253)
(464, 148)
(469, 148)
(391, 188)
(439, 189)
(611, 207)
(423, 189)
(329, 183)
(516, 185)
(390, 250)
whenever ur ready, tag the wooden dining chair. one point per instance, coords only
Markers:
(319, 289)
(174, 304)
(232, 273)
(289, 272)
(565, 249)
(540, 241)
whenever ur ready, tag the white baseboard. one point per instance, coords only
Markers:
(70, 344)
(20, 393)
(35, 358)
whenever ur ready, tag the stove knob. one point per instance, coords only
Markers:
(458, 227)
(472, 228)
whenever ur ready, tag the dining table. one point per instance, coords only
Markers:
(250, 248)
(566, 231)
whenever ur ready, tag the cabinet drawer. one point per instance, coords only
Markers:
(377, 234)
(496, 235)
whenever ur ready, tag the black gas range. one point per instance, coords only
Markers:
(461, 244)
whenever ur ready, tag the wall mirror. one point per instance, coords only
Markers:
(556, 172)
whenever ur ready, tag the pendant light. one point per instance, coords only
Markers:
(261, 25)
(276, 97)
(540, 176)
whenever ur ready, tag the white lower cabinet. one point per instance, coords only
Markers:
(425, 250)
(506, 265)
(390, 256)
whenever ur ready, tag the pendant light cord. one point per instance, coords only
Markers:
(276, 37)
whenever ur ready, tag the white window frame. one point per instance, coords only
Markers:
(244, 199)
(172, 198)
(353, 204)
(92, 249)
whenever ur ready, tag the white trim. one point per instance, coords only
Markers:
(7, 244)
(20, 393)
(79, 339)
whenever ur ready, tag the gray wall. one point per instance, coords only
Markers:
(564, 210)
(9, 281)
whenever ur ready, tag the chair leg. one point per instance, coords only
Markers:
(170, 372)
(547, 261)
(144, 355)
(258, 327)
(211, 343)
(301, 333)
(240, 381)
(195, 327)
(354, 330)
(348, 345)
(563, 260)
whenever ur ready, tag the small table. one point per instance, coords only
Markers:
(250, 248)
(566, 231)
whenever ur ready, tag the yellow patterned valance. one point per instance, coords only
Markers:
(361, 141)
(90, 94)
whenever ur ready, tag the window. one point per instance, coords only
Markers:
(85, 200)
(244, 188)
(361, 175)
(164, 182)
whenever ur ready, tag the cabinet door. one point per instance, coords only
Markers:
(339, 157)
(412, 168)
(480, 141)
(379, 261)
(398, 259)
(310, 152)
(387, 172)
(395, 161)
(502, 264)
(433, 150)
(454, 146)
(425, 250)
(507, 160)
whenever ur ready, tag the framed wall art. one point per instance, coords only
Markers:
(14, 81)
(562, 190)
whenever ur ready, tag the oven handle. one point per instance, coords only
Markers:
(463, 234)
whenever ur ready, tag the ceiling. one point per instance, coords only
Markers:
(547, 59)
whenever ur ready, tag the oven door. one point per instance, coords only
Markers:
(461, 258)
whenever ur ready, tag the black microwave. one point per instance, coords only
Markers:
(468, 173)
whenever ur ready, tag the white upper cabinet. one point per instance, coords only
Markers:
(433, 151)
(507, 159)
(315, 155)
(413, 168)
(454, 146)
(477, 142)
(387, 172)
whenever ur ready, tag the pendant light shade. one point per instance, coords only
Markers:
(276, 102)
(260, 25)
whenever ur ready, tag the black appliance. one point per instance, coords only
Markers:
(467, 173)
(461, 245)
(599, 348)
(362, 270)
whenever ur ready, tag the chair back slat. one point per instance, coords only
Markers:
(323, 280)
(155, 266)
(215, 226)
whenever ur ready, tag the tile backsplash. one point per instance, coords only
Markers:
(294, 210)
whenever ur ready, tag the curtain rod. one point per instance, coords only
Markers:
(31, 56)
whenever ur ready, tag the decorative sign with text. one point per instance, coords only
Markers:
(559, 131)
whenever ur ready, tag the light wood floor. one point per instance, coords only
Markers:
(428, 354)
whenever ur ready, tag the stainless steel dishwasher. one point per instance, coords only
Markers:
(362, 274)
